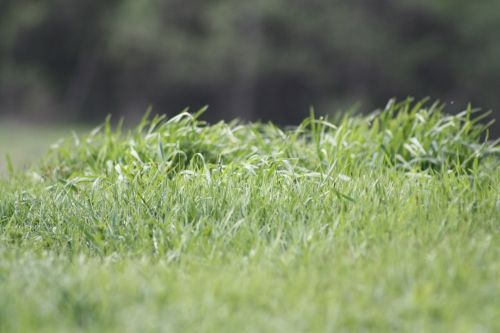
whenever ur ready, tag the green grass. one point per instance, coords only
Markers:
(386, 222)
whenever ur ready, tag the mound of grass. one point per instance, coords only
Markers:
(386, 222)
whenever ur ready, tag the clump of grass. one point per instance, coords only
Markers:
(417, 136)
(380, 222)
(406, 135)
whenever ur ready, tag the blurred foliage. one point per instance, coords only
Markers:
(267, 59)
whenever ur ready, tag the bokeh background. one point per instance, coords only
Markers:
(75, 61)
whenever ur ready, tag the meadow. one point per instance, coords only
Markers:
(380, 222)
(22, 144)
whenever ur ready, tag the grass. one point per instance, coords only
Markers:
(22, 144)
(386, 222)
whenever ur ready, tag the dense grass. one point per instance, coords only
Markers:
(387, 222)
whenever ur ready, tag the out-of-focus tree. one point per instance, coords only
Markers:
(267, 59)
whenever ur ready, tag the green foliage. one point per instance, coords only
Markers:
(99, 55)
(386, 222)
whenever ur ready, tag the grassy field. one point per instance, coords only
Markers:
(24, 144)
(386, 222)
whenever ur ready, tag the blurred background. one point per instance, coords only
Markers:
(74, 62)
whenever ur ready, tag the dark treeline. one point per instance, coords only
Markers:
(265, 59)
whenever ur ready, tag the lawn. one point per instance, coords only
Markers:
(22, 143)
(385, 222)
